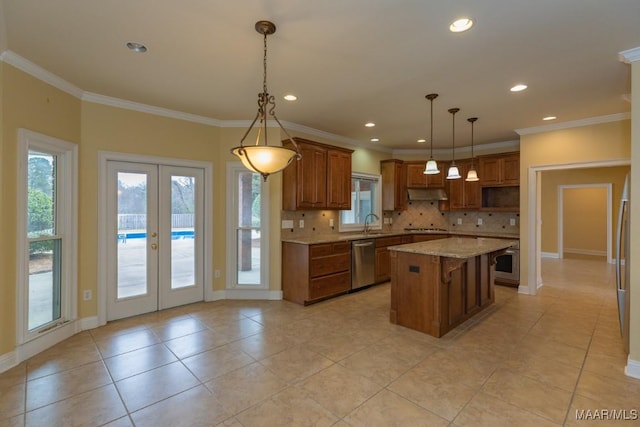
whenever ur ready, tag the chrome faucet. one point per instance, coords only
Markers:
(366, 223)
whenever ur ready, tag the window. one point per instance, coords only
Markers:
(365, 203)
(249, 227)
(46, 239)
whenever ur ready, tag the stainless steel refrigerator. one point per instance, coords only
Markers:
(622, 271)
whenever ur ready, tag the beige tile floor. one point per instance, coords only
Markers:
(528, 361)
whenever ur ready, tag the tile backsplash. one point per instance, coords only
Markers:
(419, 214)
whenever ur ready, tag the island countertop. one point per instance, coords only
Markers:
(455, 247)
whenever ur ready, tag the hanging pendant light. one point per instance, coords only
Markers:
(263, 158)
(453, 173)
(431, 168)
(472, 174)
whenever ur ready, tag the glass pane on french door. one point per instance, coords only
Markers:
(249, 185)
(132, 234)
(183, 217)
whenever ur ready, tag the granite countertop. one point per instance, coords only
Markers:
(334, 237)
(455, 247)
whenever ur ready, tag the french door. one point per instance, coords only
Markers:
(155, 229)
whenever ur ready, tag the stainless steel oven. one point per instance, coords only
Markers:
(508, 267)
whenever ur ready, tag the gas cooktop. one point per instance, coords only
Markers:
(424, 229)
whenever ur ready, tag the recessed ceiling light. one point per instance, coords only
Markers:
(422, 140)
(518, 88)
(290, 97)
(460, 25)
(370, 124)
(136, 47)
(375, 139)
(550, 118)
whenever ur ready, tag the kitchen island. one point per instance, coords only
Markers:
(437, 285)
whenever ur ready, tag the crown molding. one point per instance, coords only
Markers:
(149, 109)
(40, 73)
(513, 145)
(630, 55)
(574, 124)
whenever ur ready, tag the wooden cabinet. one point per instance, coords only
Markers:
(382, 273)
(464, 195)
(338, 179)
(416, 177)
(311, 273)
(394, 190)
(498, 170)
(321, 179)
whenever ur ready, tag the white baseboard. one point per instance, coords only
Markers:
(8, 361)
(215, 296)
(262, 294)
(633, 368)
(555, 255)
(89, 323)
(592, 252)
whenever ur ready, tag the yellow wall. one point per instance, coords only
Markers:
(26, 102)
(551, 180)
(31, 104)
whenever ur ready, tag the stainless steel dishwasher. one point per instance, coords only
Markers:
(363, 263)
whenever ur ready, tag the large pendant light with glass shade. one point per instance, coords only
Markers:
(453, 173)
(431, 168)
(263, 158)
(472, 174)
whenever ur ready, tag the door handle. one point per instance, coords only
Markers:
(154, 246)
(154, 234)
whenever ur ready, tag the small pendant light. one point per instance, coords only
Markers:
(431, 168)
(453, 173)
(472, 175)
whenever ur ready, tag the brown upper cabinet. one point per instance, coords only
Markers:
(463, 194)
(394, 190)
(499, 170)
(416, 177)
(321, 179)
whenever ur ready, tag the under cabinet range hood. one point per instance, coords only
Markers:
(427, 194)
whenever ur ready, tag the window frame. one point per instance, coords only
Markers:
(233, 171)
(66, 224)
(377, 208)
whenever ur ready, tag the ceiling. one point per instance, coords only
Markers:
(349, 62)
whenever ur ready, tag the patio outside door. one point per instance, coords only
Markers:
(155, 251)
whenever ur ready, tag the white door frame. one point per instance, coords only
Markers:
(103, 235)
(534, 273)
(560, 236)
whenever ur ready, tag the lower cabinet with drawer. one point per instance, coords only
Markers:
(383, 263)
(311, 273)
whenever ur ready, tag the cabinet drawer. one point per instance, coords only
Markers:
(329, 285)
(330, 264)
(326, 249)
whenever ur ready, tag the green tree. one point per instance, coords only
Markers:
(40, 173)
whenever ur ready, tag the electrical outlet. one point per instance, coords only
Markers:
(512, 221)
(86, 295)
(330, 222)
(479, 221)
(459, 221)
(301, 223)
